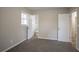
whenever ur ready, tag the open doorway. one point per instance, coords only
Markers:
(24, 23)
(33, 26)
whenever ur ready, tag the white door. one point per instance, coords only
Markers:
(64, 27)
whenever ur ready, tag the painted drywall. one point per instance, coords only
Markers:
(48, 22)
(11, 30)
(77, 41)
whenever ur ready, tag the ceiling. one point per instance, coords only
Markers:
(44, 8)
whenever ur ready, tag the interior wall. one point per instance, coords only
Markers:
(48, 22)
(77, 40)
(11, 30)
(74, 28)
(77, 44)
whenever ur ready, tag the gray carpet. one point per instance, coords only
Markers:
(42, 45)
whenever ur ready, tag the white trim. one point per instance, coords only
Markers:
(12, 46)
(64, 41)
(51, 39)
(47, 38)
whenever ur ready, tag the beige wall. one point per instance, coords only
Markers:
(48, 22)
(77, 44)
(11, 30)
(77, 40)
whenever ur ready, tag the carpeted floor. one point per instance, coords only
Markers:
(42, 45)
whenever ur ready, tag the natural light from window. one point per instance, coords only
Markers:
(24, 19)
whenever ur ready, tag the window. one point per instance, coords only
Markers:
(23, 19)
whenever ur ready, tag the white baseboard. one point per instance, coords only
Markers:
(47, 38)
(63, 41)
(12, 46)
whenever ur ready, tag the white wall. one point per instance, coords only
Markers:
(48, 22)
(11, 30)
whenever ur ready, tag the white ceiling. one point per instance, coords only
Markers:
(44, 8)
